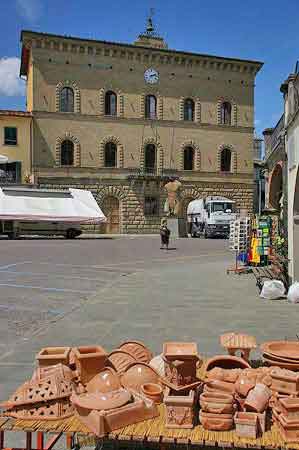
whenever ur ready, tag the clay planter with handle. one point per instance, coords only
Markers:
(152, 391)
(284, 381)
(50, 356)
(217, 422)
(217, 403)
(258, 399)
(89, 361)
(179, 409)
(246, 424)
(137, 349)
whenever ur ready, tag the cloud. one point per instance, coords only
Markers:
(30, 10)
(10, 83)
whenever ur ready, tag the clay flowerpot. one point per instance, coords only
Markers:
(179, 409)
(226, 362)
(152, 391)
(217, 403)
(89, 361)
(217, 422)
(120, 360)
(221, 386)
(137, 349)
(180, 360)
(243, 386)
(246, 424)
(50, 356)
(105, 381)
(258, 399)
(138, 374)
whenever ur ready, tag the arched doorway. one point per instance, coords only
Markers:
(275, 191)
(110, 207)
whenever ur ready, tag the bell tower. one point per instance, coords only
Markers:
(150, 38)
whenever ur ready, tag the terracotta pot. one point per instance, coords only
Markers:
(50, 356)
(230, 376)
(89, 361)
(284, 381)
(243, 386)
(217, 422)
(137, 349)
(217, 403)
(258, 399)
(152, 391)
(100, 401)
(246, 424)
(180, 350)
(105, 381)
(289, 406)
(120, 360)
(180, 409)
(138, 374)
(221, 386)
(226, 362)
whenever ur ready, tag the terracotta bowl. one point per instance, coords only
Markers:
(105, 381)
(227, 362)
(282, 365)
(120, 360)
(152, 391)
(100, 401)
(138, 374)
(137, 349)
(217, 403)
(283, 349)
(217, 422)
(280, 358)
(221, 386)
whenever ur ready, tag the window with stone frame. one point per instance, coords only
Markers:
(226, 158)
(67, 153)
(151, 206)
(110, 103)
(189, 109)
(10, 136)
(66, 100)
(110, 154)
(226, 113)
(150, 154)
(189, 158)
(150, 107)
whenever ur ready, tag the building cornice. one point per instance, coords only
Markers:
(132, 52)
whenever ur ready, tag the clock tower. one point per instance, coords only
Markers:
(150, 38)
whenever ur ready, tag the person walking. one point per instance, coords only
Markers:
(164, 234)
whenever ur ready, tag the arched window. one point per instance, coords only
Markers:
(110, 155)
(150, 107)
(226, 157)
(188, 158)
(226, 110)
(67, 100)
(67, 153)
(150, 158)
(110, 103)
(189, 109)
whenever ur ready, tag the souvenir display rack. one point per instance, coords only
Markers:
(261, 242)
(239, 236)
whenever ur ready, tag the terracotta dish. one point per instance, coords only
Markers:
(284, 349)
(227, 362)
(120, 360)
(137, 349)
(99, 401)
(138, 374)
(105, 381)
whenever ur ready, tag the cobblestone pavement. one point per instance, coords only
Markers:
(56, 292)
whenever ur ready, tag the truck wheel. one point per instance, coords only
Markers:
(71, 234)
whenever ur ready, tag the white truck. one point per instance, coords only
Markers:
(210, 216)
(29, 211)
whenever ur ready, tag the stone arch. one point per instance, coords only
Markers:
(77, 95)
(233, 164)
(120, 150)
(120, 100)
(275, 186)
(116, 192)
(77, 149)
(197, 155)
(160, 153)
(234, 110)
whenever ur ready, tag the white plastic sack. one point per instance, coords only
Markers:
(293, 294)
(272, 289)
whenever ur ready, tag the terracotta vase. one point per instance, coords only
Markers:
(120, 360)
(152, 391)
(89, 361)
(217, 422)
(137, 349)
(226, 362)
(258, 399)
(50, 356)
(106, 380)
(138, 374)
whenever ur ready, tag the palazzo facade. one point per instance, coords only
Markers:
(120, 119)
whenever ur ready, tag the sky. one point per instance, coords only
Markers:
(261, 30)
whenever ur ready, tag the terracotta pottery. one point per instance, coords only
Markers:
(137, 349)
(284, 349)
(180, 350)
(289, 428)
(226, 362)
(217, 403)
(105, 381)
(258, 399)
(243, 386)
(246, 424)
(157, 363)
(100, 401)
(280, 358)
(230, 376)
(152, 391)
(58, 370)
(89, 361)
(120, 360)
(179, 409)
(217, 422)
(138, 374)
(51, 410)
(289, 406)
(221, 386)
(234, 342)
(180, 360)
(284, 381)
(282, 365)
(50, 356)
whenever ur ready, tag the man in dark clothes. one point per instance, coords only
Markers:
(164, 233)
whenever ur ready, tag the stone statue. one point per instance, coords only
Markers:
(173, 202)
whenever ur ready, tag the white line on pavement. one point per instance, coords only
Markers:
(41, 288)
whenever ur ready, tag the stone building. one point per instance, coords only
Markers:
(120, 119)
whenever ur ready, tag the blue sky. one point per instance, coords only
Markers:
(257, 29)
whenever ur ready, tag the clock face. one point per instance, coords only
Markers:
(151, 76)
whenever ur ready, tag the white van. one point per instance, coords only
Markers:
(46, 212)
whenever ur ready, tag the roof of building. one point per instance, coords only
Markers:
(259, 64)
(10, 112)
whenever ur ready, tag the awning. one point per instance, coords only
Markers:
(3, 159)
